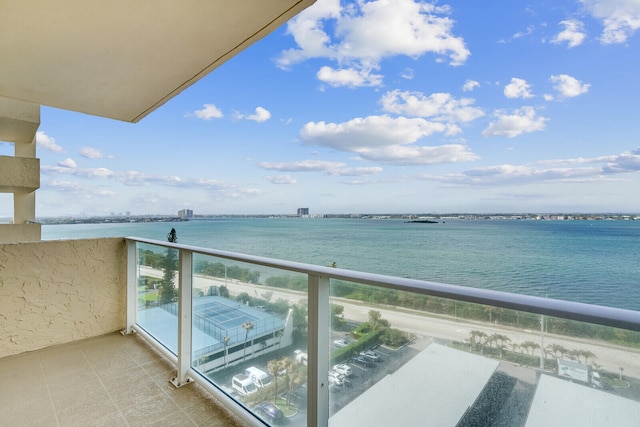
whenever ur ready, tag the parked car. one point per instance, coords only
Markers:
(301, 357)
(270, 411)
(336, 377)
(259, 377)
(369, 354)
(340, 343)
(343, 369)
(243, 385)
(362, 361)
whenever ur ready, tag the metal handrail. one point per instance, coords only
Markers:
(597, 314)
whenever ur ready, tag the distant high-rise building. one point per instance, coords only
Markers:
(185, 213)
(303, 211)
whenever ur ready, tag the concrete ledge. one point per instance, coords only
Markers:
(19, 174)
(19, 120)
(13, 233)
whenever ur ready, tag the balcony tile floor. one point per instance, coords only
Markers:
(112, 380)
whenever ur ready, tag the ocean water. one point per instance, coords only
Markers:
(596, 262)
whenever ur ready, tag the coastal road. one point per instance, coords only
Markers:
(610, 357)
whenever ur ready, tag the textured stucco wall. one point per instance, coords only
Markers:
(19, 174)
(60, 291)
(20, 233)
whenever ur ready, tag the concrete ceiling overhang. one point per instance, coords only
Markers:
(122, 59)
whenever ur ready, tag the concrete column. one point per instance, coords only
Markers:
(24, 208)
(19, 122)
(26, 148)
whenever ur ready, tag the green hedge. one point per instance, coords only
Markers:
(363, 343)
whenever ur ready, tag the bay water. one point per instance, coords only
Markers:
(596, 262)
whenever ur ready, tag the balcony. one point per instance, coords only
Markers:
(213, 337)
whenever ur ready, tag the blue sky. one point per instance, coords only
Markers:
(379, 106)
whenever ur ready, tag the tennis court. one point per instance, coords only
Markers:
(223, 315)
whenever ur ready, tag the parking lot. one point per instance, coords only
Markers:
(361, 379)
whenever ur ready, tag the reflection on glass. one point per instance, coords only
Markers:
(402, 358)
(249, 335)
(157, 293)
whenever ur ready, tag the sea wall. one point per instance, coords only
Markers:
(54, 292)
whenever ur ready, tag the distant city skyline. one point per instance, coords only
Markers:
(454, 106)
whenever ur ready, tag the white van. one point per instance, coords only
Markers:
(301, 357)
(243, 385)
(258, 377)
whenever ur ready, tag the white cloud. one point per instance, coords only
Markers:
(93, 153)
(386, 140)
(135, 178)
(360, 35)
(349, 77)
(407, 74)
(587, 171)
(261, 115)
(359, 171)
(302, 166)
(328, 168)
(625, 162)
(418, 155)
(523, 120)
(530, 29)
(48, 143)
(372, 131)
(620, 18)
(470, 85)
(281, 179)
(518, 88)
(573, 33)
(67, 163)
(568, 86)
(438, 106)
(208, 112)
(77, 189)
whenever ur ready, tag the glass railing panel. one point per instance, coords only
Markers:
(401, 358)
(157, 293)
(250, 335)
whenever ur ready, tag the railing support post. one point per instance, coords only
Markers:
(132, 279)
(318, 352)
(185, 292)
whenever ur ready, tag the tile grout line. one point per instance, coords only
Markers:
(49, 393)
(159, 356)
(103, 386)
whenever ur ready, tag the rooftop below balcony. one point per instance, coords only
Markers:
(108, 380)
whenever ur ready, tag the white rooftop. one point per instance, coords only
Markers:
(559, 402)
(434, 388)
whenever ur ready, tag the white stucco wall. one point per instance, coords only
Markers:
(55, 292)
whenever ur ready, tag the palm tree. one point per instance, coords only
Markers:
(501, 342)
(225, 341)
(530, 345)
(557, 350)
(247, 326)
(586, 354)
(515, 347)
(275, 367)
(477, 338)
(501, 339)
(297, 377)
